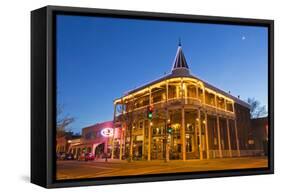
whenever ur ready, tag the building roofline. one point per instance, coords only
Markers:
(180, 69)
(96, 124)
(206, 84)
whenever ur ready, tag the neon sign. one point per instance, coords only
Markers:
(107, 132)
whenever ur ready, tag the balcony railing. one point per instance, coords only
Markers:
(182, 101)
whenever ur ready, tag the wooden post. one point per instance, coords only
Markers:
(121, 144)
(200, 135)
(131, 130)
(183, 140)
(131, 141)
(236, 131)
(197, 93)
(185, 93)
(167, 156)
(167, 91)
(143, 138)
(181, 92)
(204, 97)
(237, 140)
(122, 138)
(149, 132)
(112, 145)
(228, 136)
(219, 136)
(207, 137)
(183, 134)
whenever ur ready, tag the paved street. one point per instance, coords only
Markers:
(91, 169)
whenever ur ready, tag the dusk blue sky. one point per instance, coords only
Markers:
(99, 59)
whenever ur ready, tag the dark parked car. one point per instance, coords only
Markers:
(69, 156)
(61, 156)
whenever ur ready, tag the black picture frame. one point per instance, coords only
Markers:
(43, 95)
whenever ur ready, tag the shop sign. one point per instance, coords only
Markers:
(107, 132)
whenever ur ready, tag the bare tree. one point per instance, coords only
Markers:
(256, 109)
(63, 122)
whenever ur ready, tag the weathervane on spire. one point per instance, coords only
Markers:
(179, 41)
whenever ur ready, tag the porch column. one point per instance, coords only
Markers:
(182, 124)
(236, 131)
(197, 93)
(219, 136)
(112, 142)
(121, 144)
(149, 141)
(183, 134)
(206, 133)
(149, 131)
(132, 135)
(167, 91)
(200, 134)
(122, 137)
(237, 140)
(112, 145)
(131, 144)
(143, 138)
(204, 97)
(185, 93)
(228, 136)
(181, 92)
(167, 156)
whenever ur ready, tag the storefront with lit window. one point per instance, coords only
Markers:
(97, 139)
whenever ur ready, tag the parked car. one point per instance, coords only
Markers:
(86, 157)
(69, 156)
(61, 156)
(90, 156)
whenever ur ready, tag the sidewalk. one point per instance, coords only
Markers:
(109, 160)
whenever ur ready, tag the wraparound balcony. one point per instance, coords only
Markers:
(189, 101)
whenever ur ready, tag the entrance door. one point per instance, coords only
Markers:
(99, 151)
(157, 148)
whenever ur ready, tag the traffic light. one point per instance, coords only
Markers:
(149, 112)
(169, 128)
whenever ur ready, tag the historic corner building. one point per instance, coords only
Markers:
(180, 116)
